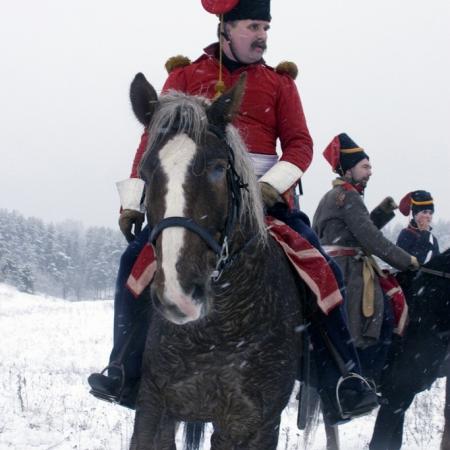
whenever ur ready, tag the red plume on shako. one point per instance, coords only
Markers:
(219, 6)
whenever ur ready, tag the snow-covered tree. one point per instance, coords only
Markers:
(62, 259)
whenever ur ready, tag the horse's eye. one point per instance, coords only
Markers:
(216, 171)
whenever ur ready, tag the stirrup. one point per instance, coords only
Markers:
(350, 375)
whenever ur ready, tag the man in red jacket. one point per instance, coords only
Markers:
(271, 110)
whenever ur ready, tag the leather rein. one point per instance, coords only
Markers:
(437, 273)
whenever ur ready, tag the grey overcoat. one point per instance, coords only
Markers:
(343, 221)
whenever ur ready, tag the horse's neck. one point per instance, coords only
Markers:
(429, 308)
(243, 274)
(243, 286)
(248, 254)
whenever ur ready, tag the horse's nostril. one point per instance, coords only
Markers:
(198, 292)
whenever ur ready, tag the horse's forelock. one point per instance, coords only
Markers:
(177, 113)
(181, 113)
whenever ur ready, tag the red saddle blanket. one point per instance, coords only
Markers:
(143, 270)
(394, 292)
(308, 262)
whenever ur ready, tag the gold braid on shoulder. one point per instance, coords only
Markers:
(176, 61)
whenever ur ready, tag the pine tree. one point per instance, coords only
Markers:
(60, 259)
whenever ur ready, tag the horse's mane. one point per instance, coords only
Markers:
(252, 205)
(440, 262)
(183, 113)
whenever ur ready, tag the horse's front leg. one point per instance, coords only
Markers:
(220, 441)
(165, 438)
(385, 425)
(388, 431)
(397, 434)
(150, 422)
(332, 433)
(266, 437)
(445, 442)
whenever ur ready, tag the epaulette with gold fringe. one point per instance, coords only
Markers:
(176, 61)
(287, 67)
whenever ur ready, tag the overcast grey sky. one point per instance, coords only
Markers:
(378, 70)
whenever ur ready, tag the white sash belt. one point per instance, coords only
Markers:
(262, 163)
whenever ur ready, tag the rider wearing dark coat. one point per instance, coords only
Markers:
(271, 110)
(417, 238)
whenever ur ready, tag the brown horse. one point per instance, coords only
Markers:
(223, 345)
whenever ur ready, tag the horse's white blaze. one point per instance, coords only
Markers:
(175, 158)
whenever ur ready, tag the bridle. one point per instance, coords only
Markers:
(221, 247)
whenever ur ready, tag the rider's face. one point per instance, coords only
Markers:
(247, 39)
(423, 219)
(361, 172)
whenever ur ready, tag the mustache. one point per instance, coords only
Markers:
(260, 44)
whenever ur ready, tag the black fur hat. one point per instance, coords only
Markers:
(343, 153)
(249, 9)
(351, 153)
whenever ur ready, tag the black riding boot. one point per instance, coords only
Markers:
(343, 397)
(114, 387)
(119, 381)
(344, 393)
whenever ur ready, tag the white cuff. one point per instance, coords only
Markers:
(130, 193)
(282, 176)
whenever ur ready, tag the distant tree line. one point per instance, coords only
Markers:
(73, 262)
(63, 259)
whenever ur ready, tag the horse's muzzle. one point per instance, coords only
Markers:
(178, 308)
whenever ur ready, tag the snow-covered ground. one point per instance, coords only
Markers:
(49, 346)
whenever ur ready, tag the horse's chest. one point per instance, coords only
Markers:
(205, 384)
(201, 386)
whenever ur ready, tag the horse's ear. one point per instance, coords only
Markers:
(143, 99)
(223, 110)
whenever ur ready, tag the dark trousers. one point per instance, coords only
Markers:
(332, 327)
(131, 315)
(373, 358)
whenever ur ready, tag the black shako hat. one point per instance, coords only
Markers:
(416, 201)
(249, 9)
(343, 153)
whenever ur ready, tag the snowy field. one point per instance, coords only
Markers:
(49, 346)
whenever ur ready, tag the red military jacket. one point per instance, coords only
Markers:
(271, 109)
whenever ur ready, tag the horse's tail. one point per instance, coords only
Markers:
(312, 420)
(193, 435)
